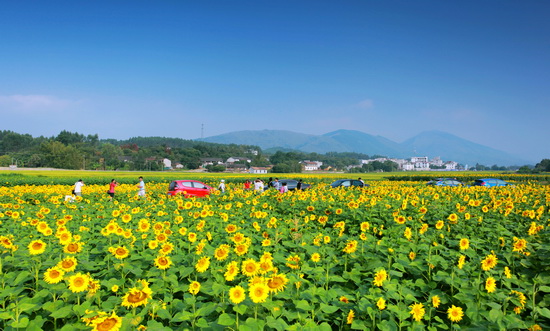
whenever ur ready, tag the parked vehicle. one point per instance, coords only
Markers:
(292, 184)
(189, 188)
(490, 182)
(348, 183)
(445, 182)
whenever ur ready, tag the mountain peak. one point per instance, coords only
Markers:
(428, 143)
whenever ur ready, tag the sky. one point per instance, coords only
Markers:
(189, 69)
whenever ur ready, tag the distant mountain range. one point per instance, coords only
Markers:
(429, 143)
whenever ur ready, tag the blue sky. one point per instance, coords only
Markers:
(476, 69)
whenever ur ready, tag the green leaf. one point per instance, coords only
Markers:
(543, 311)
(164, 314)
(277, 324)
(226, 319)
(52, 305)
(62, 312)
(182, 316)
(22, 323)
(6, 315)
(495, 315)
(202, 323)
(544, 289)
(23, 275)
(303, 304)
(328, 309)
(207, 309)
(26, 306)
(241, 309)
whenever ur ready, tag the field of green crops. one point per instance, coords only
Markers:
(398, 255)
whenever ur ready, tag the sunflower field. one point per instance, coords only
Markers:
(393, 256)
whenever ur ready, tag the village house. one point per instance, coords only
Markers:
(258, 170)
(311, 165)
(235, 167)
(234, 159)
(206, 161)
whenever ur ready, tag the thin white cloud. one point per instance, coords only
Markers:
(365, 104)
(32, 103)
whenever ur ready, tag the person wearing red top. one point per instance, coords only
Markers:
(111, 191)
(247, 184)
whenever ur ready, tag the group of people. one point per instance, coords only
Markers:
(77, 189)
(260, 186)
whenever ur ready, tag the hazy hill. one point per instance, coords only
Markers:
(430, 143)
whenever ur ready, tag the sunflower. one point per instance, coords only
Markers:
(68, 264)
(194, 287)
(519, 245)
(412, 256)
(166, 248)
(107, 323)
(464, 244)
(461, 261)
(250, 268)
(241, 249)
(37, 247)
(230, 228)
(277, 283)
(293, 262)
(237, 294)
(72, 248)
(163, 262)
(417, 311)
(192, 237)
(258, 293)
(489, 262)
(490, 285)
(400, 219)
(407, 233)
(137, 296)
(79, 282)
(436, 301)
(439, 225)
(455, 314)
(380, 277)
(507, 272)
(316, 257)
(351, 246)
(202, 264)
(232, 270)
(350, 317)
(381, 304)
(222, 252)
(54, 275)
(120, 252)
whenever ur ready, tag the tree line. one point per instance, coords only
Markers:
(71, 150)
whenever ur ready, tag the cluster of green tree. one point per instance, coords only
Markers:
(76, 151)
(377, 166)
(542, 166)
(288, 162)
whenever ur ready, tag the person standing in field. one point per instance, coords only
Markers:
(276, 184)
(258, 186)
(111, 191)
(299, 185)
(141, 187)
(221, 187)
(78, 188)
(283, 188)
(247, 184)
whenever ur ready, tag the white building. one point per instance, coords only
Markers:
(312, 165)
(167, 164)
(258, 170)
